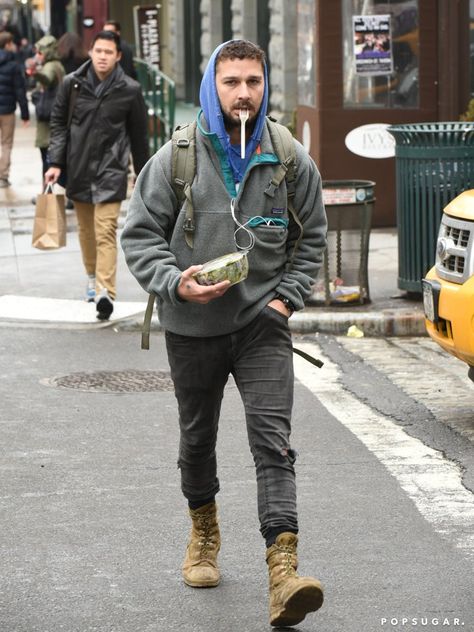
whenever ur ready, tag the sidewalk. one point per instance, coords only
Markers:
(46, 288)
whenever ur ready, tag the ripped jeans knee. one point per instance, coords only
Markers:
(290, 454)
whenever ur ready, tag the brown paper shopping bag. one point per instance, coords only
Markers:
(49, 229)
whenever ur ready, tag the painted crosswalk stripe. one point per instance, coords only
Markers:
(432, 482)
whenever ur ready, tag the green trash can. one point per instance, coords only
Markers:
(434, 164)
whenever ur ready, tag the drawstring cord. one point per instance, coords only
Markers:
(243, 227)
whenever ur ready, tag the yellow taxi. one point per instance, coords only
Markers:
(448, 289)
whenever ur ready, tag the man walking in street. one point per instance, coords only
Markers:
(99, 117)
(12, 91)
(241, 201)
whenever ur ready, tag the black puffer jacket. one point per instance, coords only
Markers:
(103, 131)
(12, 85)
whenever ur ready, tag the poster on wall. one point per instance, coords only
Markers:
(147, 34)
(372, 45)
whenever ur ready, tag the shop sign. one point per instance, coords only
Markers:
(372, 45)
(371, 141)
(343, 195)
(147, 34)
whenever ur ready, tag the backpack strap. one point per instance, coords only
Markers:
(147, 322)
(284, 146)
(183, 170)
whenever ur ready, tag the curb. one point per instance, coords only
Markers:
(386, 323)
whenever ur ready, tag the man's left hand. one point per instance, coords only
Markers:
(189, 289)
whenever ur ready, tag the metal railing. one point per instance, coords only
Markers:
(160, 99)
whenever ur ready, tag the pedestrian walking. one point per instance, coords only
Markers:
(26, 51)
(241, 201)
(12, 91)
(49, 73)
(98, 117)
(8, 26)
(71, 52)
(126, 60)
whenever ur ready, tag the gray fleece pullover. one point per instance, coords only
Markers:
(156, 251)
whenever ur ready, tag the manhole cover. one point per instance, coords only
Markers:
(116, 381)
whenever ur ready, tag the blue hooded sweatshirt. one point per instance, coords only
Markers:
(211, 109)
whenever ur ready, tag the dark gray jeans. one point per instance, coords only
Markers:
(260, 358)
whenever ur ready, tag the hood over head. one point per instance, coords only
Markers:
(211, 108)
(48, 46)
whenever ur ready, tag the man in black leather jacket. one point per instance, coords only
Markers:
(99, 117)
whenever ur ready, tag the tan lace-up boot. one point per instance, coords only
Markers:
(291, 596)
(200, 568)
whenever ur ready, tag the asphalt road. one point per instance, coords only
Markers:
(93, 526)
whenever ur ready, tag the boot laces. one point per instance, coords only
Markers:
(204, 530)
(288, 559)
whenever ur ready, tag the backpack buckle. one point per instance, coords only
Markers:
(189, 226)
(272, 187)
(182, 142)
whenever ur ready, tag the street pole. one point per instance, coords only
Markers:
(29, 21)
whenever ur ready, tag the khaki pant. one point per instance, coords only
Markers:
(98, 239)
(7, 131)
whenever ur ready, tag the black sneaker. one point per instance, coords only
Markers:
(104, 305)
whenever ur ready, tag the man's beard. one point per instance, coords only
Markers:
(231, 123)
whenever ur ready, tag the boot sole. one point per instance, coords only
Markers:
(210, 584)
(305, 600)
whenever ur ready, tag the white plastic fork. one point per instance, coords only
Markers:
(244, 115)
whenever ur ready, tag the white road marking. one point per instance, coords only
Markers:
(441, 385)
(432, 482)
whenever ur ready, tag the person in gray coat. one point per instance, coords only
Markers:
(93, 139)
(241, 329)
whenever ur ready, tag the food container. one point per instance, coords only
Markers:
(233, 267)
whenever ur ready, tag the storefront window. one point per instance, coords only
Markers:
(306, 61)
(380, 52)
